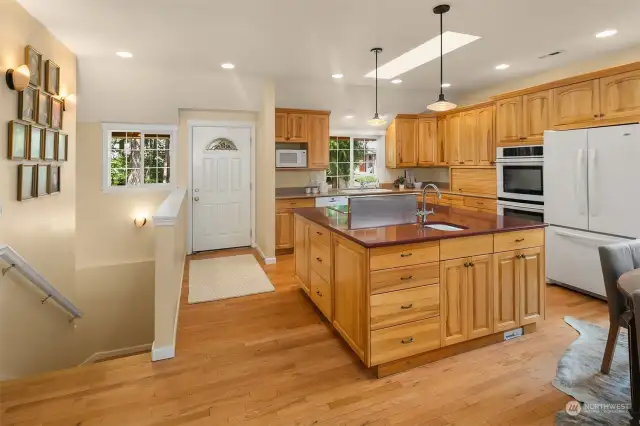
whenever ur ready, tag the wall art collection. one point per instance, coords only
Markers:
(36, 135)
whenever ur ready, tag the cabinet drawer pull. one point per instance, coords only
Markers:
(410, 277)
(519, 240)
(407, 341)
(409, 306)
(318, 293)
(406, 254)
(319, 259)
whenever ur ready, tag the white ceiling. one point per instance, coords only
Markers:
(303, 39)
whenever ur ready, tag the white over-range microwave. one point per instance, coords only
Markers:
(292, 158)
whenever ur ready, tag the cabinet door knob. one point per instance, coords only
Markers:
(601, 115)
(318, 259)
(409, 306)
(406, 254)
(472, 264)
(466, 264)
(595, 115)
(407, 341)
(196, 199)
(318, 232)
(318, 293)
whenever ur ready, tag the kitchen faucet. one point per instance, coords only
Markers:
(426, 212)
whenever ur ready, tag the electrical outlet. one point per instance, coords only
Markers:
(518, 332)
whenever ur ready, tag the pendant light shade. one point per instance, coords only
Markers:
(442, 104)
(376, 120)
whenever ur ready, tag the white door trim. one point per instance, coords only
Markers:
(240, 124)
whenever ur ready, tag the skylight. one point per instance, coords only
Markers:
(422, 54)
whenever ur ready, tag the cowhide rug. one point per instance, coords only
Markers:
(578, 375)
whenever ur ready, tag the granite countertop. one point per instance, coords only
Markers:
(289, 193)
(476, 223)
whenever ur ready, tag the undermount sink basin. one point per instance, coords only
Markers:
(364, 191)
(443, 227)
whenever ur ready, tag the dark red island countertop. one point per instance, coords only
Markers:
(476, 223)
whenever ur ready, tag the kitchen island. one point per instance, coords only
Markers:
(405, 295)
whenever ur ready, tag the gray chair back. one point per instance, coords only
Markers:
(616, 259)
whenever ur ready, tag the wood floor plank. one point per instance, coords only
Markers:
(270, 359)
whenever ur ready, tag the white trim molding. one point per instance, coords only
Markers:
(108, 128)
(267, 260)
(167, 213)
(99, 356)
(162, 353)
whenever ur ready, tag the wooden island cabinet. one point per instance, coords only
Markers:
(401, 296)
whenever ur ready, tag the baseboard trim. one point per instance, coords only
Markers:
(267, 260)
(162, 353)
(99, 356)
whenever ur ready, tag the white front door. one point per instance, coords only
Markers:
(221, 197)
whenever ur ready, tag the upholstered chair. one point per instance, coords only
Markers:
(616, 259)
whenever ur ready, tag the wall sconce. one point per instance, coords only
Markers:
(140, 221)
(64, 97)
(18, 79)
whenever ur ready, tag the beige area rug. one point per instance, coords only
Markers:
(226, 277)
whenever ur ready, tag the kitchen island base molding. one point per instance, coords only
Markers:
(408, 363)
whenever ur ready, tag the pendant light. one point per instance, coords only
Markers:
(442, 104)
(376, 120)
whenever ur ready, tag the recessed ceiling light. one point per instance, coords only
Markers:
(349, 117)
(228, 66)
(606, 33)
(396, 81)
(502, 66)
(446, 84)
(337, 76)
(125, 55)
(422, 54)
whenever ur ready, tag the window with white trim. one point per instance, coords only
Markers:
(352, 159)
(138, 156)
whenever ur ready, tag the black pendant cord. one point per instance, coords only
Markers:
(376, 83)
(441, 67)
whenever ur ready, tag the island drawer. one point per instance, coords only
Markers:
(406, 277)
(321, 260)
(404, 255)
(392, 343)
(455, 248)
(480, 203)
(320, 234)
(321, 294)
(399, 307)
(451, 200)
(507, 241)
(295, 203)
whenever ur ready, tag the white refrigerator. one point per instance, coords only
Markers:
(591, 198)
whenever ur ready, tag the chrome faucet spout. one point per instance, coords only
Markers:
(426, 212)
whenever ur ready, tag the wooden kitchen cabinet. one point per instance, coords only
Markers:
(302, 252)
(536, 116)
(318, 157)
(427, 141)
(284, 230)
(486, 137)
(576, 103)
(509, 121)
(453, 301)
(401, 143)
(620, 96)
(480, 296)
(297, 127)
(532, 281)
(442, 156)
(452, 139)
(506, 291)
(468, 137)
(474, 180)
(281, 127)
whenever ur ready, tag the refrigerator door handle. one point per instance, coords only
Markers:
(579, 186)
(593, 201)
(582, 237)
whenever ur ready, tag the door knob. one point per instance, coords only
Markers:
(196, 199)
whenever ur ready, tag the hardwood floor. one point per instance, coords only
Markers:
(270, 360)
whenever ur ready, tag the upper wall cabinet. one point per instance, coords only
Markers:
(291, 127)
(576, 103)
(620, 96)
(522, 120)
(452, 139)
(306, 126)
(486, 137)
(427, 141)
(401, 143)
(470, 137)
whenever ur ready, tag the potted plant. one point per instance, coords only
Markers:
(400, 181)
